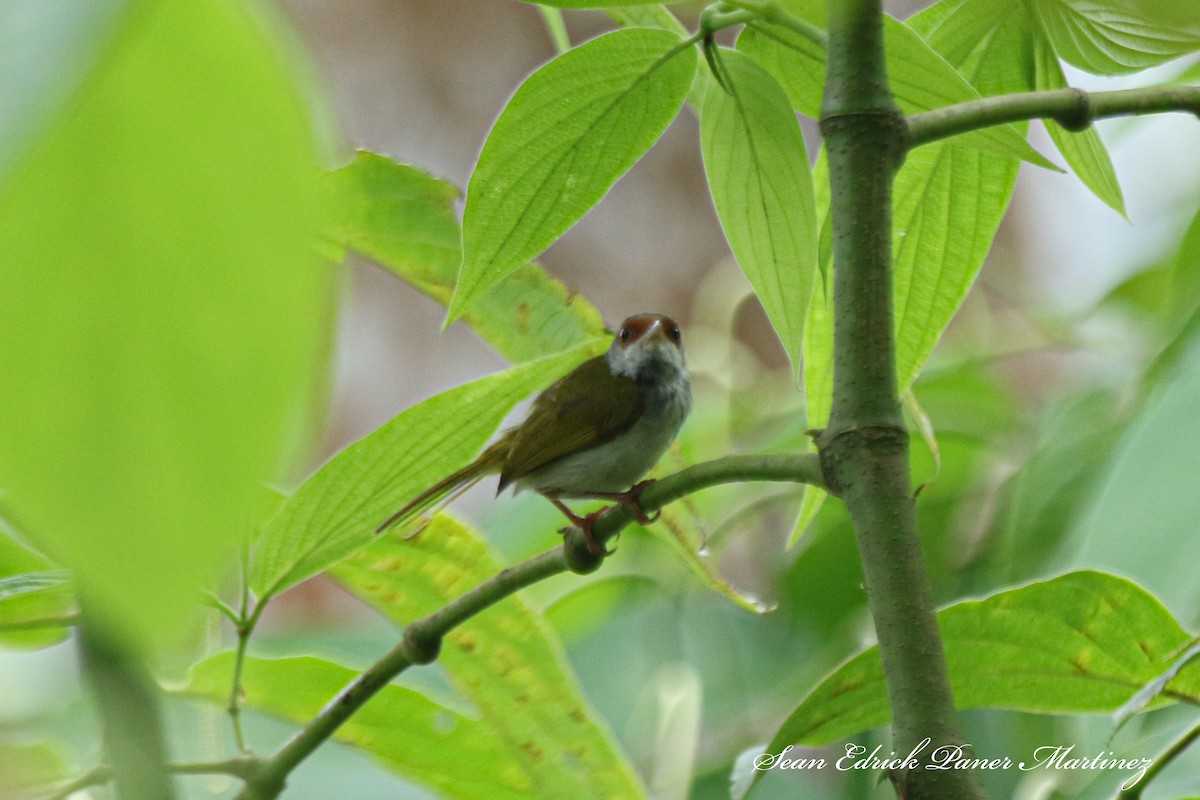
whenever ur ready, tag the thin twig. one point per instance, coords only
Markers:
(244, 625)
(1160, 763)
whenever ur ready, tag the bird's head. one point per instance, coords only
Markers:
(647, 347)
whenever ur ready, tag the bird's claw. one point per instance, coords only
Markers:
(632, 502)
(584, 524)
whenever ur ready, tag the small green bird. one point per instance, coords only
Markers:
(592, 434)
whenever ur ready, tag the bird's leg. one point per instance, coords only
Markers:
(631, 500)
(584, 524)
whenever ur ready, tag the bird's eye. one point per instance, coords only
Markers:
(625, 334)
(674, 333)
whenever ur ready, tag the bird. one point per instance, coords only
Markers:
(593, 433)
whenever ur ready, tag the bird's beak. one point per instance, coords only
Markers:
(656, 331)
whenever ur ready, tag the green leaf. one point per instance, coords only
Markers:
(703, 569)
(1081, 642)
(163, 309)
(570, 131)
(506, 662)
(404, 219)
(1116, 37)
(920, 77)
(1084, 151)
(647, 16)
(336, 510)
(761, 186)
(30, 598)
(27, 768)
(1143, 516)
(949, 201)
(1153, 689)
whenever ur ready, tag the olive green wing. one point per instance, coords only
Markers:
(587, 407)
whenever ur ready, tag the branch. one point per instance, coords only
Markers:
(422, 638)
(864, 449)
(1074, 109)
(93, 777)
(239, 767)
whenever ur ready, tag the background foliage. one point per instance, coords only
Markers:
(167, 291)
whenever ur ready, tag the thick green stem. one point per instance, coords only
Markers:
(422, 638)
(127, 701)
(1074, 109)
(864, 449)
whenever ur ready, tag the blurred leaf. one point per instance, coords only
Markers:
(924, 426)
(699, 565)
(404, 219)
(163, 310)
(1153, 689)
(28, 766)
(1084, 151)
(46, 50)
(1143, 520)
(920, 77)
(567, 134)
(507, 662)
(670, 702)
(336, 510)
(586, 604)
(1059, 481)
(758, 174)
(1084, 641)
(646, 16)
(34, 597)
(1170, 293)
(1115, 37)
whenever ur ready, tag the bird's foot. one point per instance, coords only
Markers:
(584, 524)
(632, 501)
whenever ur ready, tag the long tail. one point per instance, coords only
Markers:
(450, 486)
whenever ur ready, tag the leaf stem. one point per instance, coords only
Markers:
(244, 622)
(556, 28)
(96, 776)
(1160, 763)
(774, 14)
(422, 638)
(239, 767)
(1074, 109)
